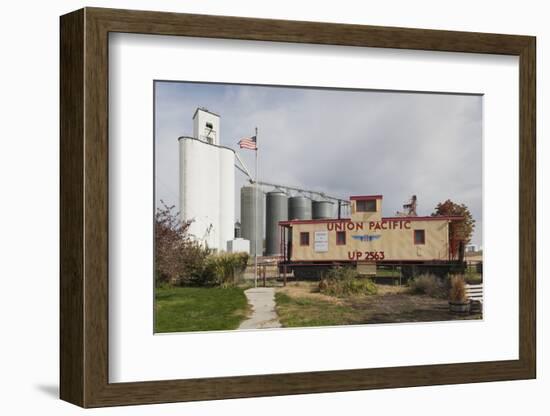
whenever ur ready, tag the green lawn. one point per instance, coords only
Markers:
(301, 312)
(182, 309)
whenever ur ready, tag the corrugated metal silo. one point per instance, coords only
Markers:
(299, 208)
(252, 219)
(322, 210)
(276, 209)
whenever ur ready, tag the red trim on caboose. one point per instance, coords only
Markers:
(426, 218)
(364, 197)
(333, 220)
(325, 221)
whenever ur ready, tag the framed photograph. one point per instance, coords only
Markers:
(254, 207)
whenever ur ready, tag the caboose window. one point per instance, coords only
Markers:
(340, 238)
(304, 239)
(419, 237)
(366, 205)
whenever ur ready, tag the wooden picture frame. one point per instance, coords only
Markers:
(84, 207)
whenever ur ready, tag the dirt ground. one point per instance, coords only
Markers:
(406, 308)
(307, 290)
(391, 304)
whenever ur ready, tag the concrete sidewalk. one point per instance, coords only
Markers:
(262, 300)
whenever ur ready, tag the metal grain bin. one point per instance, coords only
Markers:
(276, 209)
(252, 219)
(299, 208)
(322, 210)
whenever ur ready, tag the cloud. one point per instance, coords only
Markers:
(342, 142)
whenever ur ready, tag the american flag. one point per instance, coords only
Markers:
(248, 143)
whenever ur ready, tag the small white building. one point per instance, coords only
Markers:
(207, 182)
(238, 245)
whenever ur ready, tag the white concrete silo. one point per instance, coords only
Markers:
(227, 196)
(207, 182)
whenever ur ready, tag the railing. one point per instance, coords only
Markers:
(475, 292)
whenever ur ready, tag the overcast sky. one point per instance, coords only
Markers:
(341, 142)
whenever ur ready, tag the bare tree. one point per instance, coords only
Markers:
(179, 259)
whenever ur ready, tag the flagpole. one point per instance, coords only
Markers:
(256, 215)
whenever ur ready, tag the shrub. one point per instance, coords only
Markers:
(182, 261)
(341, 273)
(241, 261)
(457, 293)
(428, 284)
(345, 281)
(223, 269)
(179, 260)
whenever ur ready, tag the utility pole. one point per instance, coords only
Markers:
(256, 216)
